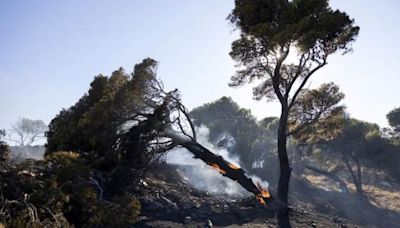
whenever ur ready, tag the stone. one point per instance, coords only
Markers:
(187, 219)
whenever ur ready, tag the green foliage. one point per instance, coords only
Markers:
(4, 148)
(61, 192)
(271, 30)
(225, 116)
(106, 165)
(123, 210)
(354, 138)
(253, 141)
(35, 203)
(394, 118)
(303, 23)
(91, 125)
(316, 114)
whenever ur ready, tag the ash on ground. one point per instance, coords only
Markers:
(169, 201)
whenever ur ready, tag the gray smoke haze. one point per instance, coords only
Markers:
(21, 153)
(202, 176)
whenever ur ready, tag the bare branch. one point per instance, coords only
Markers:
(300, 88)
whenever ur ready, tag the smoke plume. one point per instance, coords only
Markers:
(202, 176)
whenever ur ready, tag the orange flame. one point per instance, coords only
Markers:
(215, 166)
(260, 199)
(264, 193)
(233, 166)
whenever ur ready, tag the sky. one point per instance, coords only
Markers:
(51, 50)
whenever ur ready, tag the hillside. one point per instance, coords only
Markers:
(168, 201)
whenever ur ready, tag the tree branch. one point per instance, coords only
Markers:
(300, 88)
(277, 76)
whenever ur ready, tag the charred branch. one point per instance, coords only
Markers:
(228, 169)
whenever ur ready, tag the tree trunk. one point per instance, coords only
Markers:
(285, 171)
(330, 175)
(356, 178)
(359, 181)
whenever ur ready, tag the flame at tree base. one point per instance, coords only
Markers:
(264, 193)
(261, 194)
(227, 169)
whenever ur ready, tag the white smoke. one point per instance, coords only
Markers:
(202, 176)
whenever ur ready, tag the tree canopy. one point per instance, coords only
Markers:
(393, 118)
(248, 138)
(91, 124)
(226, 119)
(273, 28)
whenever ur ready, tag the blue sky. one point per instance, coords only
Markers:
(51, 50)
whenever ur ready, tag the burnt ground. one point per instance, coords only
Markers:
(167, 201)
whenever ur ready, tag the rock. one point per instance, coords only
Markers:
(187, 220)
(144, 183)
(208, 224)
(226, 208)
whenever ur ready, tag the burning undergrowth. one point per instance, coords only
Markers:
(208, 178)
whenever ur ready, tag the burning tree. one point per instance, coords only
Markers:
(170, 126)
(126, 123)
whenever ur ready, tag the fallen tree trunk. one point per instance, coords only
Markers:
(161, 121)
(229, 170)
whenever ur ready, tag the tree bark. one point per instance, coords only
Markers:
(285, 170)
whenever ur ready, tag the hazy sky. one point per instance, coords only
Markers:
(51, 50)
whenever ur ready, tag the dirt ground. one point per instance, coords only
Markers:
(167, 201)
(378, 207)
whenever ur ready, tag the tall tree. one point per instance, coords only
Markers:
(25, 131)
(271, 30)
(359, 141)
